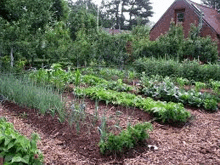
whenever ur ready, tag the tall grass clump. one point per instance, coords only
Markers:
(26, 93)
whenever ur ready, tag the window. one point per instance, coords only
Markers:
(179, 14)
(180, 17)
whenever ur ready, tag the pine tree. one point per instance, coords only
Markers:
(139, 11)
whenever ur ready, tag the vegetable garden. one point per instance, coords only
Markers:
(67, 97)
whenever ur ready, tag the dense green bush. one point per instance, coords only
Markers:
(192, 70)
(16, 148)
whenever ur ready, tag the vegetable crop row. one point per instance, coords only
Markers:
(167, 112)
(166, 90)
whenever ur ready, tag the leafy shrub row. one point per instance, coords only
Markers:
(126, 139)
(191, 70)
(167, 112)
(17, 149)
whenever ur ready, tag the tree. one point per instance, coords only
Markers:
(139, 11)
(79, 19)
(215, 4)
(127, 13)
(25, 24)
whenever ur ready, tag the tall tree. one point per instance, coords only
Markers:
(215, 4)
(111, 12)
(127, 13)
(139, 11)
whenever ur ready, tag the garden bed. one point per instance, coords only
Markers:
(197, 142)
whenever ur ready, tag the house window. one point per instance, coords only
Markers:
(180, 17)
(179, 14)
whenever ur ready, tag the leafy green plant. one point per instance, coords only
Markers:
(17, 149)
(126, 139)
(77, 77)
(199, 86)
(182, 81)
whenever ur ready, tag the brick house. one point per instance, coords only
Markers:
(187, 12)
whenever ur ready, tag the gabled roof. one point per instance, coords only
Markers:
(211, 16)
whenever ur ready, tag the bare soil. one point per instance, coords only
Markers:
(196, 142)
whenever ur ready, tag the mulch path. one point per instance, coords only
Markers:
(197, 142)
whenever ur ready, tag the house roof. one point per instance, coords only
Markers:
(211, 16)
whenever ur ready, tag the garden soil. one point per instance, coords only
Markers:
(196, 142)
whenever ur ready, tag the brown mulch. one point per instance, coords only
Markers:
(197, 142)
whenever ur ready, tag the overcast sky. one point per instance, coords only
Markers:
(159, 7)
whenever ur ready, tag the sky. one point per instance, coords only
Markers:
(159, 7)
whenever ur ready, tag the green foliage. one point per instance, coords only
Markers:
(167, 112)
(77, 78)
(166, 90)
(112, 48)
(55, 77)
(174, 45)
(56, 43)
(93, 80)
(79, 19)
(25, 93)
(17, 149)
(126, 139)
(190, 70)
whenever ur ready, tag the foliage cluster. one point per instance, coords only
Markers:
(192, 70)
(167, 112)
(166, 90)
(16, 148)
(56, 77)
(100, 47)
(126, 139)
